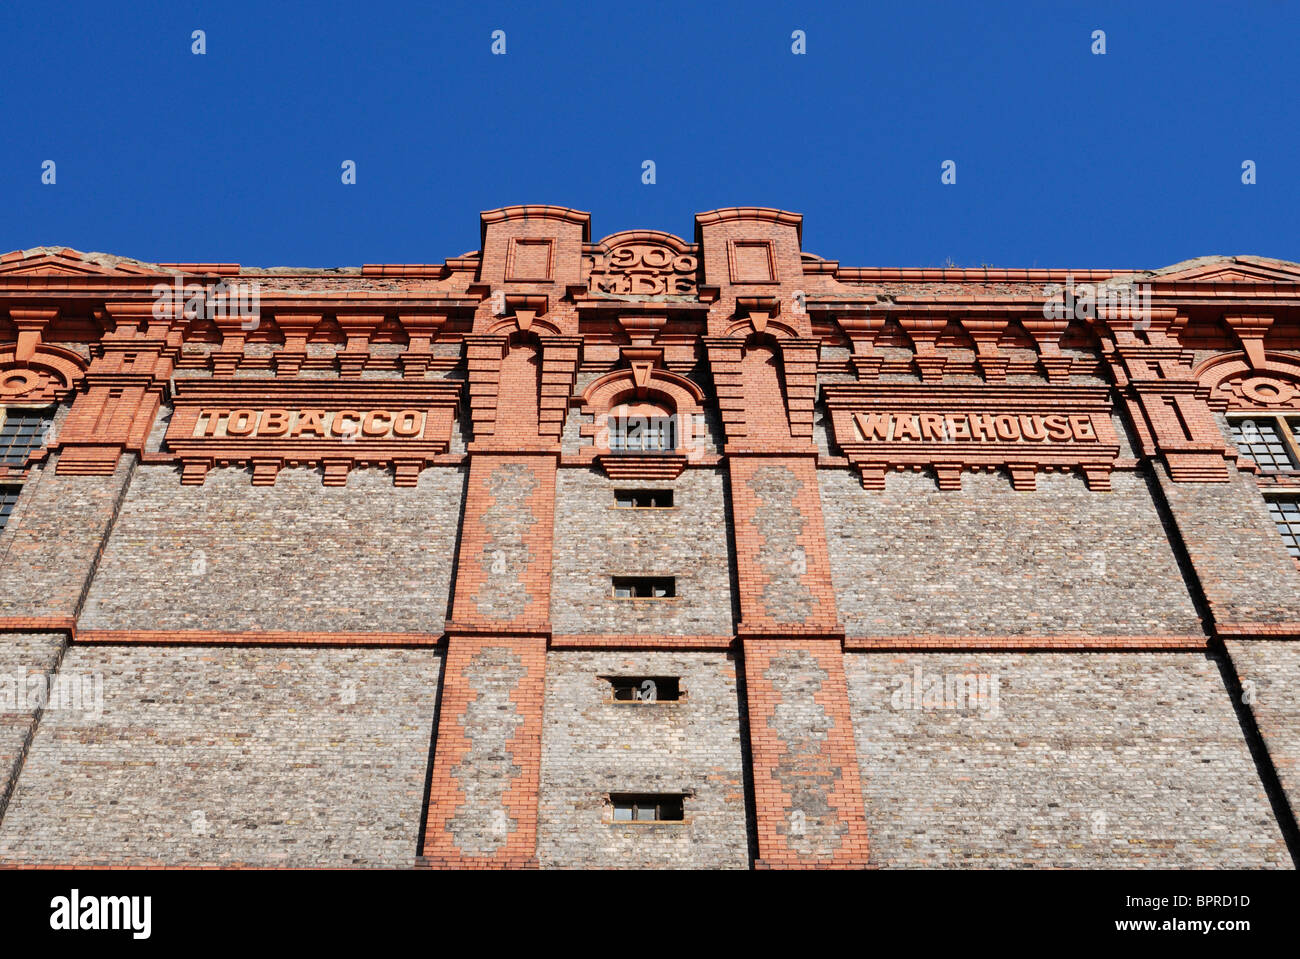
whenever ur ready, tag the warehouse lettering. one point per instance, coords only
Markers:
(975, 427)
(310, 424)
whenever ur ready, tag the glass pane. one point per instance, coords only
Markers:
(21, 433)
(1261, 439)
(1286, 515)
(645, 813)
(8, 497)
(622, 812)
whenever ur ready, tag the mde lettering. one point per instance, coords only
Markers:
(105, 913)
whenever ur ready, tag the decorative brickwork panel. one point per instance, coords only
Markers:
(595, 541)
(1068, 760)
(483, 795)
(221, 756)
(482, 823)
(530, 260)
(806, 787)
(296, 557)
(752, 262)
(784, 573)
(593, 746)
(517, 405)
(1274, 385)
(504, 574)
(45, 376)
(988, 560)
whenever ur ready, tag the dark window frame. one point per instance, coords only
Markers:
(656, 434)
(1285, 512)
(634, 588)
(643, 499)
(26, 423)
(9, 493)
(647, 809)
(1251, 436)
(630, 690)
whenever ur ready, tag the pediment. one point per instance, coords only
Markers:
(1230, 269)
(44, 261)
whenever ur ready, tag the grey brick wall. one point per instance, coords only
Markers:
(48, 547)
(591, 747)
(595, 542)
(1125, 760)
(300, 556)
(223, 755)
(989, 560)
(1238, 554)
(1269, 671)
(23, 656)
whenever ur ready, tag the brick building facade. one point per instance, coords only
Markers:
(648, 552)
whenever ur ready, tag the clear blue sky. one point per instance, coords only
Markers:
(1064, 158)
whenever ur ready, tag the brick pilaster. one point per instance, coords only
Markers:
(482, 804)
(482, 811)
(807, 788)
(124, 388)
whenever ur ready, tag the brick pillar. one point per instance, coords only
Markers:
(487, 756)
(807, 789)
(1167, 405)
(762, 352)
(482, 809)
(483, 795)
(123, 390)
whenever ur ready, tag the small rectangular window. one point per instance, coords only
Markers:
(647, 807)
(1264, 439)
(8, 497)
(644, 689)
(21, 432)
(643, 498)
(645, 587)
(1286, 514)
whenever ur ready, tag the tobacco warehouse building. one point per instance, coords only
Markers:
(648, 551)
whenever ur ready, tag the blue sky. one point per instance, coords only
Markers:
(1064, 158)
